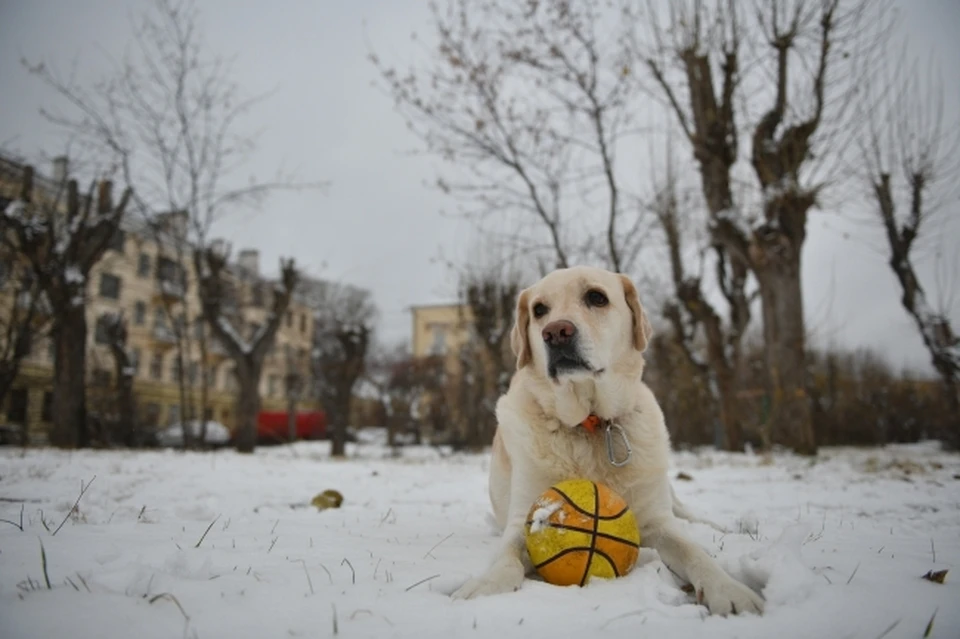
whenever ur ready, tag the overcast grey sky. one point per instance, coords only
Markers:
(378, 225)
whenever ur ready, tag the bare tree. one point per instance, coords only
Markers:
(802, 74)
(691, 314)
(248, 356)
(170, 117)
(909, 159)
(343, 330)
(24, 311)
(62, 240)
(402, 382)
(294, 383)
(115, 329)
(531, 103)
(488, 290)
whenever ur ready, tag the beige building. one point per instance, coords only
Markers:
(142, 276)
(440, 329)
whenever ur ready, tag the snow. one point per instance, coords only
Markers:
(170, 544)
(16, 209)
(227, 328)
(73, 275)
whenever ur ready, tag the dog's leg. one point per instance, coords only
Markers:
(680, 510)
(511, 562)
(721, 593)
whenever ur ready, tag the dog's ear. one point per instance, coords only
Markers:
(519, 337)
(642, 330)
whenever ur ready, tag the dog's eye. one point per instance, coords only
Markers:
(539, 310)
(595, 298)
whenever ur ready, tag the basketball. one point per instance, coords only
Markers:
(579, 529)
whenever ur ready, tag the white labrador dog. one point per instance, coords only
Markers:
(579, 338)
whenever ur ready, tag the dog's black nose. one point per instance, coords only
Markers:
(558, 332)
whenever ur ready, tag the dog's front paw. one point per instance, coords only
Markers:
(504, 576)
(724, 595)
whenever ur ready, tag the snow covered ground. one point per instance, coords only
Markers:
(166, 544)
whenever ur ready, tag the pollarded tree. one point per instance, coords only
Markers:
(248, 356)
(717, 64)
(909, 162)
(62, 238)
(343, 332)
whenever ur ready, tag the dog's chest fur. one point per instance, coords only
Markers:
(568, 453)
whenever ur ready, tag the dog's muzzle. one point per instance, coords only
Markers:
(563, 353)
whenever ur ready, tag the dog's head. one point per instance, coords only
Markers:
(578, 322)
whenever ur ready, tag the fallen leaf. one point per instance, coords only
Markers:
(682, 476)
(937, 577)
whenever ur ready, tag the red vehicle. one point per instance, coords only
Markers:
(272, 426)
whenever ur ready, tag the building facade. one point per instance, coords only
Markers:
(149, 276)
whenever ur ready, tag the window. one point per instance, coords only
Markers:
(303, 323)
(17, 406)
(135, 360)
(117, 240)
(198, 329)
(439, 345)
(156, 366)
(143, 265)
(109, 286)
(271, 386)
(173, 413)
(257, 294)
(175, 372)
(101, 333)
(139, 313)
(160, 318)
(193, 373)
(211, 375)
(46, 413)
(151, 414)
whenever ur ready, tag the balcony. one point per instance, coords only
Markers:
(169, 290)
(164, 337)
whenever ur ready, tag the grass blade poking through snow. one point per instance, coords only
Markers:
(204, 535)
(926, 633)
(43, 564)
(83, 489)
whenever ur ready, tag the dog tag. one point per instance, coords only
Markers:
(611, 455)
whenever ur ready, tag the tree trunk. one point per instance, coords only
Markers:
(202, 338)
(291, 417)
(69, 380)
(729, 410)
(341, 415)
(790, 420)
(126, 407)
(248, 406)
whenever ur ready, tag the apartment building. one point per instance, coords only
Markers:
(148, 275)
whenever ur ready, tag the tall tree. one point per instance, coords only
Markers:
(533, 105)
(62, 239)
(24, 311)
(801, 76)
(343, 332)
(909, 162)
(692, 315)
(128, 431)
(248, 355)
(171, 117)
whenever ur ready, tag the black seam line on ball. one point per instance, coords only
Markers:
(613, 564)
(565, 551)
(589, 514)
(593, 539)
(586, 530)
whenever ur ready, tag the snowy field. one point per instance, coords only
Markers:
(165, 544)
